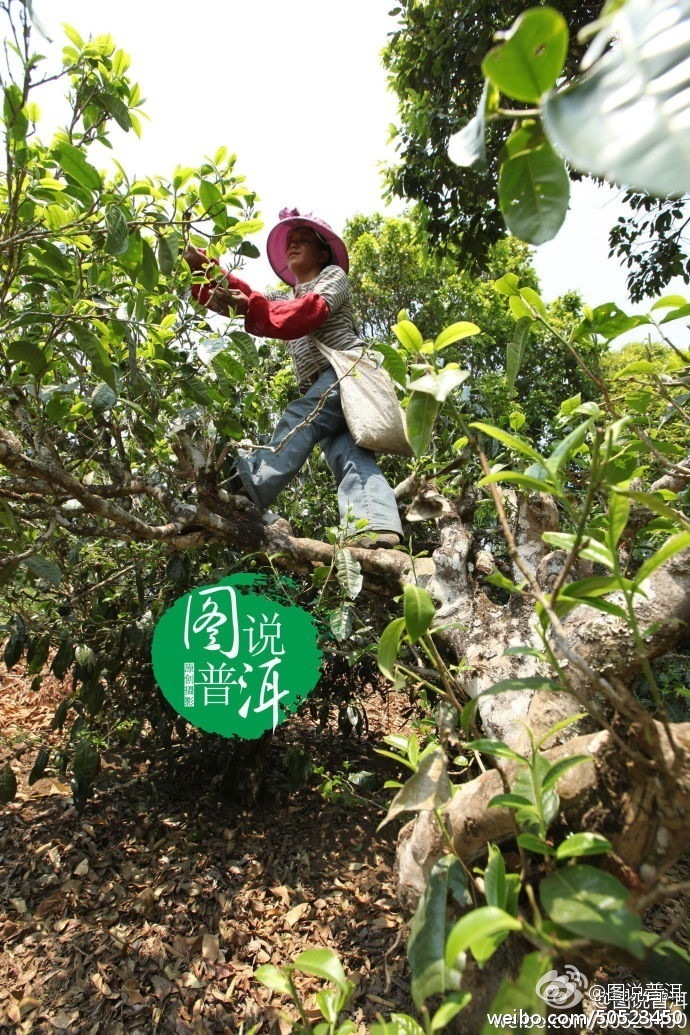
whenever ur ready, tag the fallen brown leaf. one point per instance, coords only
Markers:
(282, 893)
(296, 913)
(210, 948)
(62, 1021)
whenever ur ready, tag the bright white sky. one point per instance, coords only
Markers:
(298, 92)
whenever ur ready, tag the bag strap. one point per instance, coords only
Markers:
(328, 352)
(323, 349)
(362, 353)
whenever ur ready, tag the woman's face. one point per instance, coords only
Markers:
(305, 250)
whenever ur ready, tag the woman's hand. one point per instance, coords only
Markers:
(225, 300)
(221, 298)
(195, 258)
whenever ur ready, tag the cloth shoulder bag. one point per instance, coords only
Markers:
(372, 412)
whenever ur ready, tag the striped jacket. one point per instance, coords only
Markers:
(339, 330)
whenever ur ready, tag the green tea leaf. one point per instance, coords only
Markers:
(245, 346)
(349, 572)
(92, 348)
(516, 350)
(39, 766)
(455, 332)
(75, 165)
(167, 248)
(50, 255)
(454, 1003)
(393, 362)
(408, 335)
(399, 1024)
(616, 120)
(561, 724)
(34, 358)
(493, 747)
(476, 931)
(210, 197)
(525, 480)
(117, 237)
(655, 502)
(583, 844)
(273, 978)
(342, 622)
(208, 348)
(467, 147)
(116, 107)
(14, 646)
(557, 770)
(148, 271)
(327, 1002)
(529, 782)
(536, 844)
(534, 300)
(13, 113)
(585, 591)
(511, 441)
(63, 657)
(670, 302)
(429, 788)
(103, 398)
(664, 961)
(531, 58)
(677, 314)
(440, 385)
(507, 285)
(592, 904)
(44, 569)
(426, 943)
(389, 647)
(533, 189)
(495, 879)
(497, 579)
(670, 548)
(87, 761)
(608, 321)
(419, 417)
(325, 964)
(589, 548)
(565, 449)
(511, 801)
(249, 250)
(619, 512)
(419, 611)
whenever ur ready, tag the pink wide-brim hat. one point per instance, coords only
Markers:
(276, 243)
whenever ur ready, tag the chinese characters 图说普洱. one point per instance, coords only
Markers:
(212, 624)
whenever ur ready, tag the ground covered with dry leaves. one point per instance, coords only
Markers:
(150, 911)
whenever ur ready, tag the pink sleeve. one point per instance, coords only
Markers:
(286, 319)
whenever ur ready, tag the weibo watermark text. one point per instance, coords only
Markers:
(522, 1020)
(654, 1005)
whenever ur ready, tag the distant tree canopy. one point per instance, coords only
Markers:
(649, 379)
(392, 269)
(434, 64)
(652, 243)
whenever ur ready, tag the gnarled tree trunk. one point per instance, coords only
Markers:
(640, 767)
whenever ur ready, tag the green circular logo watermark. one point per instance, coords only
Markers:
(233, 658)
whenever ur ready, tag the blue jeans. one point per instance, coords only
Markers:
(363, 492)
